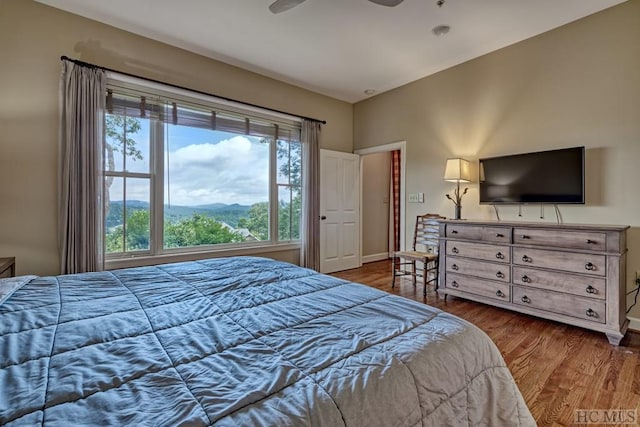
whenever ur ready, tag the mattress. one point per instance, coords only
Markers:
(242, 341)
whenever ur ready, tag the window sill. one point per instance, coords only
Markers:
(144, 260)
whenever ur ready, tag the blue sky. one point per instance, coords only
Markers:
(204, 167)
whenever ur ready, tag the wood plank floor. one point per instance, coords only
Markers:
(558, 368)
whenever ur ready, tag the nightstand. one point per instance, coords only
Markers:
(7, 267)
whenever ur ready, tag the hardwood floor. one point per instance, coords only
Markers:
(558, 368)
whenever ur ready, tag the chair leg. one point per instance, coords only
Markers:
(425, 273)
(393, 267)
(413, 272)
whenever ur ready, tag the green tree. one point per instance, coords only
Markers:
(194, 231)
(289, 155)
(198, 230)
(289, 218)
(117, 131)
(258, 221)
(137, 233)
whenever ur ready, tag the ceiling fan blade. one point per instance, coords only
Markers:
(389, 3)
(279, 6)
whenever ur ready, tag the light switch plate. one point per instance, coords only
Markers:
(416, 197)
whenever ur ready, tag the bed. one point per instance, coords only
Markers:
(242, 341)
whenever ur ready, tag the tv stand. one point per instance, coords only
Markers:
(573, 274)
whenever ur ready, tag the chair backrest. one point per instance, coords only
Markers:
(427, 233)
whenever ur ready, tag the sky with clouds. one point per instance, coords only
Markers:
(204, 167)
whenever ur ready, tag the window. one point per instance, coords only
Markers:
(190, 174)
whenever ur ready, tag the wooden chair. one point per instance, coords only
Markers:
(424, 250)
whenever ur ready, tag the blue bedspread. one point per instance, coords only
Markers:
(241, 341)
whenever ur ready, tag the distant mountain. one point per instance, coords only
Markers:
(212, 206)
(223, 207)
(133, 204)
(229, 214)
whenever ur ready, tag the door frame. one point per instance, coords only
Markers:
(398, 145)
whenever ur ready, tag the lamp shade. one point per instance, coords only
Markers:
(457, 170)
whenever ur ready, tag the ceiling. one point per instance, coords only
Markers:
(339, 48)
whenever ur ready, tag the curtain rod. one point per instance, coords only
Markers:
(88, 65)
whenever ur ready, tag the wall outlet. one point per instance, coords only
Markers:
(420, 197)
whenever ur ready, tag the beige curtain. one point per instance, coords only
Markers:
(310, 229)
(82, 98)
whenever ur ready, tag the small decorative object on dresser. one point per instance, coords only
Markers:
(568, 273)
(457, 170)
(7, 267)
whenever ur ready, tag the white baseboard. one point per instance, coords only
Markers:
(375, 257)
(634, 324)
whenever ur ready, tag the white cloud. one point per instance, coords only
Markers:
(234, 170)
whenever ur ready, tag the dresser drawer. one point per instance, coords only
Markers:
(593, 241)
(566, 304)
(479, 251)
(558, 260)
(586, 286)
(479, 233)
(473, 285)
(483, 269)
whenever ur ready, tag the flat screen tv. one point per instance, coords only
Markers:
(545, 177)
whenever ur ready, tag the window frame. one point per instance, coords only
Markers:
(125, 174)
(157, 252)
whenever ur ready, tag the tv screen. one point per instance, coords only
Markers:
(554, 177)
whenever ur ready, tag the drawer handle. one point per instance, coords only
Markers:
(455, 284)
(499, 255)
(526, 279)
(525, 237)
(591, 290)
(591, 313)
(455, 267)
(526, 299)
(500, 275)
(499, 293)
(526, 258)
(500, 235)
(454, 231)
(590, 266)
(591, 242)
(455, 250)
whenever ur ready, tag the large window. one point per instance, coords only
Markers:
(184, 175)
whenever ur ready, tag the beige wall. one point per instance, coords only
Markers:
(576, 85)
(32, 39)
(376, 169)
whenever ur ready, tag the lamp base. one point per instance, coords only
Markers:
(458, 212)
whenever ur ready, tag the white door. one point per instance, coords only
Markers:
(339, 211)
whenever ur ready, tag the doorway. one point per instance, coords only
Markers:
(372, 205)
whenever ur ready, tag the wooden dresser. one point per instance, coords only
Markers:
(569, 273)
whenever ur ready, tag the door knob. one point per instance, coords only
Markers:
(323, 217)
